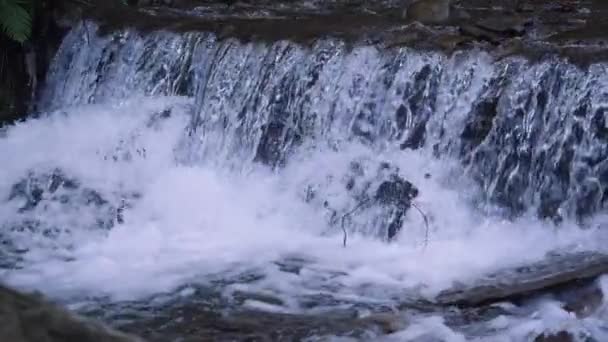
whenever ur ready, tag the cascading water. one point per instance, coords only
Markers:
(163, 161)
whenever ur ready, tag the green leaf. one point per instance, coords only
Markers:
(15, 20)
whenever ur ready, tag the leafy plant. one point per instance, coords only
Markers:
(16, 19)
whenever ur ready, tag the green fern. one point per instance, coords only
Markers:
(15, 19)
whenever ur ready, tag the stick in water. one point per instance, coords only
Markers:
(362, 203)
(426, 224)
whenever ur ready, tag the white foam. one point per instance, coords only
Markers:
(197, 221)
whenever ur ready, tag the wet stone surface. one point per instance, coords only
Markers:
(377, 188)
(545, 275)
(55, 195)
(195, 312)
(538, 27)
(31, 318)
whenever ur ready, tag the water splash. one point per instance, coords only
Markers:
(206, 180)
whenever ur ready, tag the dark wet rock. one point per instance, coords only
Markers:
(530, 151)
(376, 190)
(395, 191)
(396, 194)
(418, 104)
(450, 42)
(378, 21)
(43, 191)
(509, 47)
(480, 33)
(155, 3)
(50, 207)
(191, 322)
(34, 188)
(581, 299)
(428, 11)
(480, 121)
(387, 322)
(275, 141)
(506, 25)
(562, 336)
(513, 283)
(31, 318)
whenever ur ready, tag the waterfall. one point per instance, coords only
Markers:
(164, 159)
(532, 134)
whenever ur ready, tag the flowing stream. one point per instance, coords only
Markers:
(171, 167)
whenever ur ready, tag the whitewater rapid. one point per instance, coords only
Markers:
(194, 224)
(163, 162)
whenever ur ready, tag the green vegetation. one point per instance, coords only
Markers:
(15, 29)
(17, 16)
(29, 35)
(16, 19)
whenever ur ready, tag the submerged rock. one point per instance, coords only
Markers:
(396, 194)
(31, 318)
(54, 191)
(54, 186)
(192, 322)
(50, 207)
(379, 198)
(396, 191)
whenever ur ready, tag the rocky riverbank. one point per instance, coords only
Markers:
(195, 313)
(573, 28)
(31, 318)
(568, 28)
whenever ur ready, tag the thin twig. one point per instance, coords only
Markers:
(344, 231)
(362, 203)
(426, 224)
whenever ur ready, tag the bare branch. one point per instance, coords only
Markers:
(343, 220)
(426, 224)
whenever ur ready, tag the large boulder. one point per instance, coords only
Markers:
(31, 318)
(395, 194)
